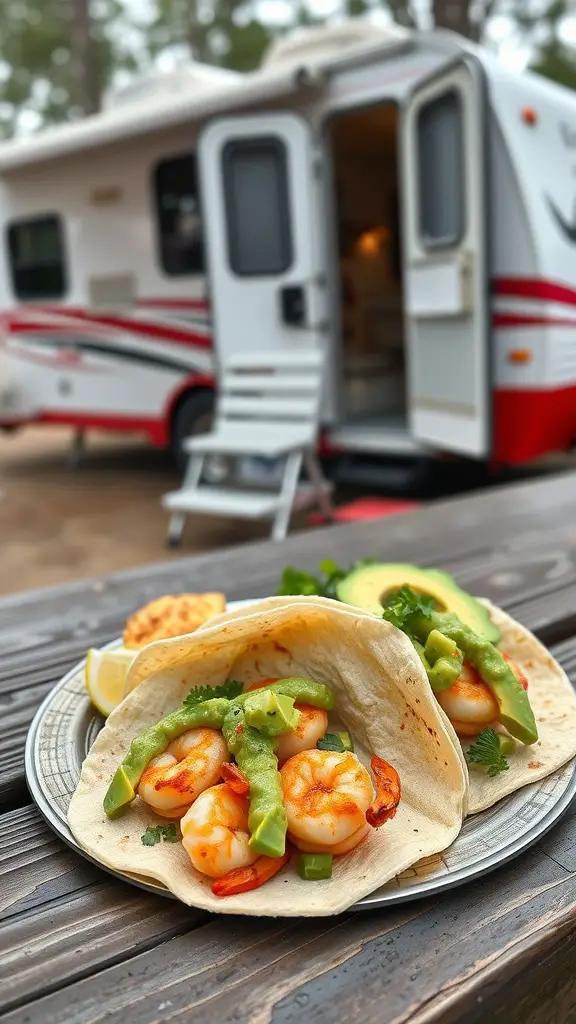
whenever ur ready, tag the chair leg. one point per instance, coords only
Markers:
(287, 492)
(77, 449)
(193, 472)
(176, 526)
(320, 485)
(177, 520)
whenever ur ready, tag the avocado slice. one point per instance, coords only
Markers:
(368, 586)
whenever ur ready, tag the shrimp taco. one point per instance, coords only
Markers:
(511, 706)
(286, 760)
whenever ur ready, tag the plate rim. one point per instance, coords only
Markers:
(428, 887)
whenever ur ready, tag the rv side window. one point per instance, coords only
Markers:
(178, 216)
(36, 255)
(441, 171)
(257, 206)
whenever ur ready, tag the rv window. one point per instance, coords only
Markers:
(36, 257)
(441, 171)
(257, 206)
(178, 216)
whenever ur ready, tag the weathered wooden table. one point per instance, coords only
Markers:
(76, 945)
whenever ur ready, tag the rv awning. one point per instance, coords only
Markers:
(134, 119)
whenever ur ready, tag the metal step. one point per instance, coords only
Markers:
(393, 476)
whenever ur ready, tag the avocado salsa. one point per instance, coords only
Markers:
(447, 627)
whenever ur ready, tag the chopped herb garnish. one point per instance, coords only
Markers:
(158, 833)
(198, 694)
(296, 581)
(487, 751)
(331, 741)
(405, 603)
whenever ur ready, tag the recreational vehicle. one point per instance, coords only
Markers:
(400, 199)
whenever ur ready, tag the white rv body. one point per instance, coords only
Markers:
(399, 199)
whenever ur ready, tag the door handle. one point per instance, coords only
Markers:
(293, 305)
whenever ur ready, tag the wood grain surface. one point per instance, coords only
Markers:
(76, 945)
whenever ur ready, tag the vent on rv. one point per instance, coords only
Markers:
(328, 41)
(192, 77)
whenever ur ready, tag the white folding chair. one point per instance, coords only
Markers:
(268, 405)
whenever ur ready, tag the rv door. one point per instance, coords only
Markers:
(261, 215)
(445, 260)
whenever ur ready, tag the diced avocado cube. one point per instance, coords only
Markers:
(272, 713)
(314, 867)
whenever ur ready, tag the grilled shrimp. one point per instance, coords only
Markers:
(469, 703)
(188, 766)
(215, 836)
(312, 725)
(326, 796)
(215, 832)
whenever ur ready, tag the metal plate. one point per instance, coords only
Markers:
(66, 725)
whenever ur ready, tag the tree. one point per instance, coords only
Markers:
(554, 58)
(225, 33)
(84, 64)
(55, 59)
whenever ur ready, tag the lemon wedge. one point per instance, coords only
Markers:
(106, 673)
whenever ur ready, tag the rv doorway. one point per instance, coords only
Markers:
(366, 195)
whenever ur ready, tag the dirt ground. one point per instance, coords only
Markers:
(59, 524)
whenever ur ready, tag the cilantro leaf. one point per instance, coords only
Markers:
(488, 752)
(158, 833)
(198, 694)
(405, 603)
(296, 581)
(331, 741)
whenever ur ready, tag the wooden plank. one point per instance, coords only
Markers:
(17, 710)
(517, 547)
(35, 866)
(505, 543)
(55, 905)
(424, 962)
(60, 917)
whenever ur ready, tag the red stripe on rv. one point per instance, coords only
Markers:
(529, 422)
(156, 332)
(198, 304)
(534, 288)
(520, 320)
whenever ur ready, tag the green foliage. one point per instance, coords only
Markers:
(487, 751)
(556, 62)
(160, 833)
(331, 741)
(198, 694)
(45, 77)
(297, 581)
(37, 72)
(223, 32)
(403, 604)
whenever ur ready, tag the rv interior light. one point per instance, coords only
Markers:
(371, 243)
(529, 116)
(520, 355)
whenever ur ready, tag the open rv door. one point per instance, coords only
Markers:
(444, 157)
(259, 187)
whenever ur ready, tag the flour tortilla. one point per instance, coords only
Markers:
(553, 701)
(554, 704)
(382, 697)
